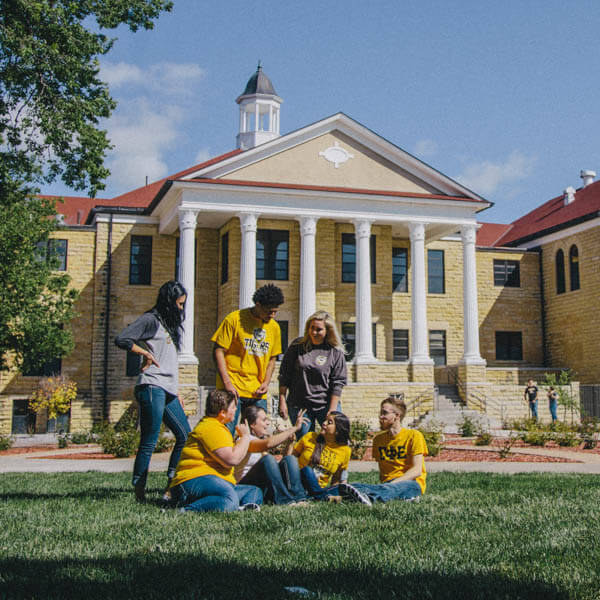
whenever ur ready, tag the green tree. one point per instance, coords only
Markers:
(51, 104)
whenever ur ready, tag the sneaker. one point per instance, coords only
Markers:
(250, 506)
(351, 493)
(413, 499)
(334, 499)
(140, 492)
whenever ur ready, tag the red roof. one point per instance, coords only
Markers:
(553, 215)
(489, 233)
(76, 208)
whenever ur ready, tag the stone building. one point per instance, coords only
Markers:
(342, 220)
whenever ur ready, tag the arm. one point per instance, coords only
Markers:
(337, 380)
(340, 476)
(219, 356)
(283, 409)
(230, 457)
(415, 468)
(285, 376)
(274, 440)
(264, 386)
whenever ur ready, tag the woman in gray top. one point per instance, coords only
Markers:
(313, 373)
(156, 336)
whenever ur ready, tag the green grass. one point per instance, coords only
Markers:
(474, 535)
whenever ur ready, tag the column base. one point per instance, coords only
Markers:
(475, 360)
(187, 359)
(364, 359)
(421, 372)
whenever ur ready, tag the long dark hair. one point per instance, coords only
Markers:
(250, 414)
(167, 312)
(342, 436)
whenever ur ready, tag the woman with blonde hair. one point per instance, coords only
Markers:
(313, 373)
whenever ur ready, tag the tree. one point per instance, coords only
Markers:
(51, 104)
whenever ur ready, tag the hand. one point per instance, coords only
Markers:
(243, 429)
(283, 409)
(231, 388)
(301, 420)
(262, 390)
(149, 360)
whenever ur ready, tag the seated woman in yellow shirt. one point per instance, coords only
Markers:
(323, 459)
(204, 478)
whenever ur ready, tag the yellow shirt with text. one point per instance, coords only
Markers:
(249, 345)
(393, 451)
(334, 458)
(197, 457)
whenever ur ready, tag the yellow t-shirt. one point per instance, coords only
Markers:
(334, 457)
(197, 458)
(391, 453)
(249, 345)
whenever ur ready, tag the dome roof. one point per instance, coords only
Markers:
(259, 83)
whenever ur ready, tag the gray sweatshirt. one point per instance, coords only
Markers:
(148, 331)
(313, 376)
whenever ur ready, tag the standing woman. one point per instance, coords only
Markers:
(156, 336)
(313, 373)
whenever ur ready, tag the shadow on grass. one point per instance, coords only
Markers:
(162, 575)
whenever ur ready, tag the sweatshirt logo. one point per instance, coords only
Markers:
(321, 360)
(256, 345)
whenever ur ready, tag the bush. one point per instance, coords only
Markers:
(467, 427)
(483, 439)
(164, 444)
(537, 435)
(82, 437)
(6, 442)
(567, 438)
(359, 433)
(434, 437)
(55, 394)
(119, 443)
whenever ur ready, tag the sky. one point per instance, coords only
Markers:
(504, 97)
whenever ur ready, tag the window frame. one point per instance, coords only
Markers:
(436, 356)
(574, 281)
(46, 252)
(559, 269)
(510, 338)
(349, 274)
(431, 277)
(344, 336)
(397, 344)
(502, 276)
(399, 279)
(270, 239)
(138, 276)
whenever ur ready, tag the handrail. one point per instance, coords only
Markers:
(479, 400)
(416, 403)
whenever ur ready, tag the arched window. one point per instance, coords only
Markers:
(574, 267)
(560, 272)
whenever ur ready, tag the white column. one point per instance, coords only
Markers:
(308, 278)
(256, 117)
(364, 328)
(187, 267)
(471, 313)
(419, 354)
(248, 223)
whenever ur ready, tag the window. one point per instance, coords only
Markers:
(509, 345)
(437, 346)
(400, 344)
(52, 367)
(506, 273)
(574, 267)
(140, 260)
(23, 418)
(349, 339)
(224, 258)
(134, 364)
(349, 258)
(435, 271)
(560, 272)
(283, 325)
(399, 270)
(272, 254)
(54, 252)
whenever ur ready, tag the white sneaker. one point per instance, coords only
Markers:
(250, 506)
(349, 491)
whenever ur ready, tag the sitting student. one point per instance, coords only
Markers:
(324, 458)
(204, 478)
(280, 482)
(399, 453)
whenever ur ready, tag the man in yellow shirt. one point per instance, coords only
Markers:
(246, 346)
(400, 456)
(204, 478)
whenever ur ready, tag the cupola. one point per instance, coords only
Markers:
(259, 112)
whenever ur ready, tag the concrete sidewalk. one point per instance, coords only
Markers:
(32, 463)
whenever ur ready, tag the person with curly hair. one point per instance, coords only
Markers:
(246, 346)
(156, 337)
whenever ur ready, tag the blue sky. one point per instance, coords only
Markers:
(503, 96)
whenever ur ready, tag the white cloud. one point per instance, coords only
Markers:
(120, 74)
(486, 177)
(426, 148)
(202, 155)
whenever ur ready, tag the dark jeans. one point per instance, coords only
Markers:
(314, 415)
(384, 492)
(553, 405)
(280, 482)
(311, 485)
(212, 493)
(156, 406)
(242, 403)
(533, 408)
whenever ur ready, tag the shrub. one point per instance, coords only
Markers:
(567, 438)
(467, 426)
(537, 436)
(6, 442)
(507, 445)
(83, 437)
(119, 443)
(483, 439)
(164, 444)
(434, 437)
(359, 433)
(63, 441)
(54, 394)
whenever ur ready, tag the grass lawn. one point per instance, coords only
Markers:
(81, 535)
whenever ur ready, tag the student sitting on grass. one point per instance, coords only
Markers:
(204, 478)
(324, 458)
(280, 482)
(399, 453)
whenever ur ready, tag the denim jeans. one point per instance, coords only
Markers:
(212, 493)
(280, 482)
(384, 492)
(533, 409)
(553, 406)
(241, 405)
(314, 415)
(156, 406)
(311, 485)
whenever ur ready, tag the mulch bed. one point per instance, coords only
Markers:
(451, 439)
(448, 455)
(26, 450)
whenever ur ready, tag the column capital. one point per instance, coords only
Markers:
(248, 221)
(468, 233)
(308, 225)
(417, 231)
(187, 218)
(362, 227)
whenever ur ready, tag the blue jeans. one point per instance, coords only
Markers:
(241, 405)
(280, 482)
(314, 415)
(553, 406)
(156, 406)
(384, 492)
(533, 409)
(311, 485)
(212, 493)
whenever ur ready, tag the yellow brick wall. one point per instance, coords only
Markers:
(572, 322)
